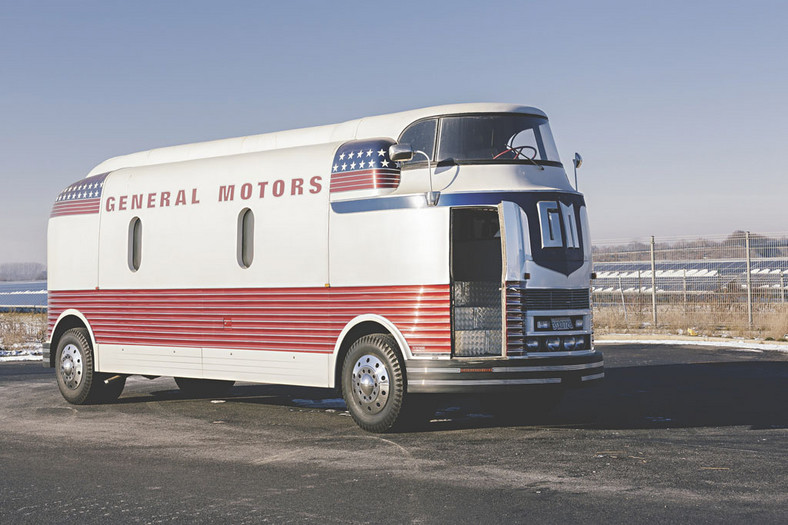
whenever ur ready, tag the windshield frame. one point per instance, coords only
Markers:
(420, 162)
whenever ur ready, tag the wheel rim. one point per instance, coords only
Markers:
(370, 384)
(71, 366)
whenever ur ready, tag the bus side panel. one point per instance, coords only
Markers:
(303, 369)
(151, 360)
(195, 244)
(284, 368)
(72, 252)
(390, 247)
(190, 213)
(403, 248)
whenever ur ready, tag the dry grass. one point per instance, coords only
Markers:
(21, 328)
(769, 321)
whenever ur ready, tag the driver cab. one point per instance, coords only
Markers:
(482, 139)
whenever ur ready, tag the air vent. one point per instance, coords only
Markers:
(556, 299)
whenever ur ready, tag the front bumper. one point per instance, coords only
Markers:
(467, 376)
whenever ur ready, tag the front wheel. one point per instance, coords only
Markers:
(77, 379)
(373, 384)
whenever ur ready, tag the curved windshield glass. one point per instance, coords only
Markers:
(496, 138)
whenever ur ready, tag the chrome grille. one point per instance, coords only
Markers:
(556, 299)
(515, 318)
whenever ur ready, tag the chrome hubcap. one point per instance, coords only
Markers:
(71, 366)
(370, 384)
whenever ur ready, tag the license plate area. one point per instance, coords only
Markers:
(561, 323)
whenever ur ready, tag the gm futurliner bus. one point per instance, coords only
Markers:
(441, 250)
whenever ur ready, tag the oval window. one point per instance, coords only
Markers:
(245, 238)
(135, 244)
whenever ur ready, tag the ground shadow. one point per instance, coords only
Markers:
(753, 394)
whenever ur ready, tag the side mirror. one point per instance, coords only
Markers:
(401, 152)
(578, 160)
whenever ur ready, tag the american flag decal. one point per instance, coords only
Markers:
(80, 198)
(364, 165)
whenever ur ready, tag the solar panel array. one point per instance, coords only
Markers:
(23, 296)
(709, 273)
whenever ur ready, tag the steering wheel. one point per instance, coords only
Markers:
(518, 150)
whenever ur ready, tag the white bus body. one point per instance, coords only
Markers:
(272, 258)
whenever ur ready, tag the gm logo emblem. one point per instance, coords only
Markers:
(558, 221)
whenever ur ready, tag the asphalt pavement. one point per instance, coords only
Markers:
(673, 434)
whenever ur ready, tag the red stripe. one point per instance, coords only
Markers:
(365, 179)
(292, 319)
(76, 207)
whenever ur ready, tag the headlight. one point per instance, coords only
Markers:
(569, 343)
(553, 343)
(532, 344)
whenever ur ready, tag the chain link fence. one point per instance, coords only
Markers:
(732, 285)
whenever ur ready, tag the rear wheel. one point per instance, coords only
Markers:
(373, 384)
(203, 387)
(77, 379)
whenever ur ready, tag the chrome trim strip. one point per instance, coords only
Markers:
(592, 377)
(433, 370)
(482, 382)
(556, 354)
(554, 368)
(510, 369)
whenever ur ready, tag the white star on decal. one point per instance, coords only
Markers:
(371, 164)
(342, 157)
(335, 167)
(361, 164)
(353, 166)
(350, 155)
(381, 152)
(369, 153)
(360, 153)
(385, 163)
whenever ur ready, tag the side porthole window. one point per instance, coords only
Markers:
(135, 244)
(245, 238)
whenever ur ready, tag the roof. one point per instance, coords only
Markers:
(390, 125)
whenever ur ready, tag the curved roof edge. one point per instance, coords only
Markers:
(389, 125)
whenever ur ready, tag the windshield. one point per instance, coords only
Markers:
(496, 138)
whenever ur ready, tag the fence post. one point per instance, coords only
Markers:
(782, 287)
(749, 279)
(623, 302)
(640, 300)
(653, 286)
(685, 291)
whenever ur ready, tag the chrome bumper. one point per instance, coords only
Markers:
(465, 376)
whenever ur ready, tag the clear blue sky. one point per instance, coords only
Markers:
(678, 108)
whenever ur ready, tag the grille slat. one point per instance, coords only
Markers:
(556, 299)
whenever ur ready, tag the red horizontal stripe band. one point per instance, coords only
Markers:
(292, 319)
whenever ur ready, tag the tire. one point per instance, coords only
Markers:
(77, 379)
(373, 384)
(203, 387)
(532, 406)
